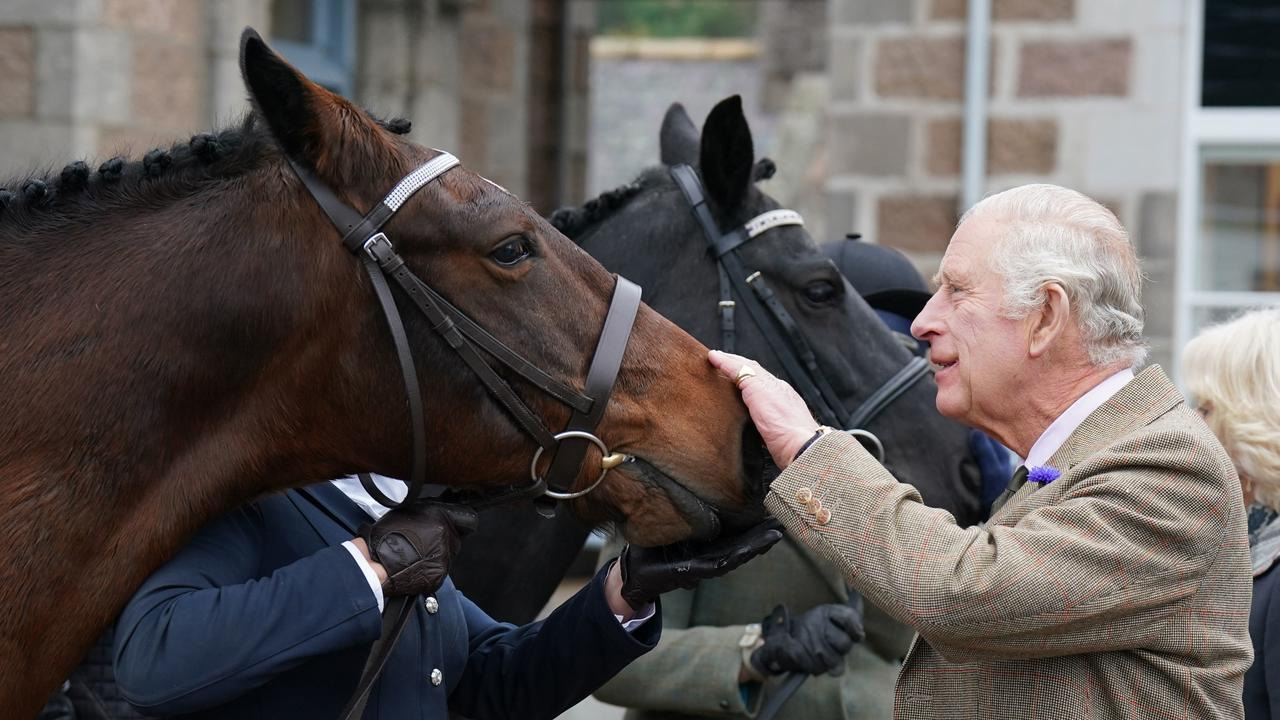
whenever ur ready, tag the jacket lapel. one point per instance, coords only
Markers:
(1143, 399)
(329, 512)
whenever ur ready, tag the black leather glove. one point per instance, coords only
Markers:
(416, 543)
(649, 572)
(814, 643)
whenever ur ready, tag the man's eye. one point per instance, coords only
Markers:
(512, 252)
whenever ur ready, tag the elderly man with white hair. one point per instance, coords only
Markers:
(1112, 580)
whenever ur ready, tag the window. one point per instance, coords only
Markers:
(1229, 198)
(317, 36)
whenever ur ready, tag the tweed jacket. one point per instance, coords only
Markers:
(694, 669)
(1119, 590)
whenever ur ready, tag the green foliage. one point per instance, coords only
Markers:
(677, 18)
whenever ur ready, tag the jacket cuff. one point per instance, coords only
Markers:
(639, 640)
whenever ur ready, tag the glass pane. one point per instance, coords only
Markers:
(292, 20)
(1203, 317)
(1239, 244)
(1241, 56)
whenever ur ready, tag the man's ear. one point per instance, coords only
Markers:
(1051, 322)
(678, 139)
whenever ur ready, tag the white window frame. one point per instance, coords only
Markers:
(1208, 127)
(331, 59)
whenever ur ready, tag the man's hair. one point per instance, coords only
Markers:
(1232, 371)
(1054, 235)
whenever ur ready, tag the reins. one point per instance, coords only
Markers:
(362, 236)
(752, 292)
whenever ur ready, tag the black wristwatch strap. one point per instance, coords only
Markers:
(819, 433)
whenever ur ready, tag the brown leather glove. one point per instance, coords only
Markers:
(416, 544)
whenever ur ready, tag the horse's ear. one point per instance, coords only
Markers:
(727, 153)
(302, 116)
(678, 141)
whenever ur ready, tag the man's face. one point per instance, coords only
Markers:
(982, 355)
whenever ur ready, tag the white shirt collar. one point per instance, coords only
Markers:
(1066, 423)
(351, 487)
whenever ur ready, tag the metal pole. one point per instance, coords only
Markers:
(977, 73)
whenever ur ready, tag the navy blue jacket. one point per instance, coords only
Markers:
(265, 615)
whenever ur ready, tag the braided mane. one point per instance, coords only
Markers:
(160, 173)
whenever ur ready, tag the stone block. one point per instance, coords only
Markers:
(508, 151)
(59, 73)
(490, 56)
(794, 35)
(581, 60)
(131, 141)
(47, 12)
(473, 134)
(929, 68)
(17, 72)
(29, 144)
(174, 19)
(1157, 236)
(845, 68)
(1013, 146)
(103, 83)
(868, 144)
(168, 84)
(1129, 147)
(842, 215)
(1075, 68)
(871, 12)
(916, 223)
(1158, 285)
(1007, 10)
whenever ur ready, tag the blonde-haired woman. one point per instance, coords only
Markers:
(1233, 373)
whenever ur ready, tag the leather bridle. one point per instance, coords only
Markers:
(362, 236)
(752, 292)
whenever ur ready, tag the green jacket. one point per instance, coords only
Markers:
(694, 669)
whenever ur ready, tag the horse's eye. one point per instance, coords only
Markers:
(512, 252)
(820, 292)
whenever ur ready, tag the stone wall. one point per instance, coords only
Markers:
(498, 82)
(96, 78)
(1083, 93)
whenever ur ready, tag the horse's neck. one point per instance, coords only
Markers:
(139, 394)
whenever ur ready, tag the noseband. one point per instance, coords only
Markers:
(363, 237)
(737, 287)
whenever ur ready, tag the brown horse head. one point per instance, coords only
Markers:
(514, 274)
(186, 333)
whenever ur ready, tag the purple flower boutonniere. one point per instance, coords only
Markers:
(1043, 475)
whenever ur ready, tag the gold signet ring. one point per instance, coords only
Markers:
(744, 372)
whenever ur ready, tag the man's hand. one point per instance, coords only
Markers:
(647, 573)
(778, 411)
(814, 643)
(416, 543)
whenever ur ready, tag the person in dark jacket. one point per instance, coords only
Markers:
(1232, 371)
(270, 611)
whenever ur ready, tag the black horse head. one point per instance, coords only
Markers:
(646, 231)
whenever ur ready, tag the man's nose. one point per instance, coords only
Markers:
(926, 323)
